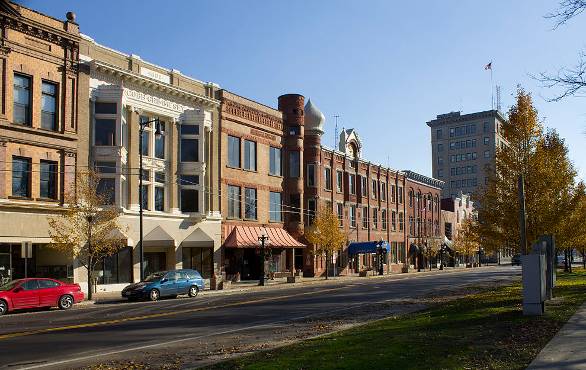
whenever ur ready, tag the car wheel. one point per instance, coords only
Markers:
(154, 295)
(65, 302)
(3, 307)
(193, 290)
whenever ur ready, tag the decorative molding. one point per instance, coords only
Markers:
(4, 51)
(251, 114)
(45, 33)
(259, 140)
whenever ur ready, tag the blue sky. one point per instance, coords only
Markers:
(385, 67)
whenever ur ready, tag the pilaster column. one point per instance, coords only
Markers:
(133, 158)
(69, 169)
(174, 166)
(3, 169)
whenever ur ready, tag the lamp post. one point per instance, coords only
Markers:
(380, 251)
(480, 251)
(158, 133)
(262, 241)
(442, 249)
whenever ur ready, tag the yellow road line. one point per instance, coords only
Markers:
(155, 315)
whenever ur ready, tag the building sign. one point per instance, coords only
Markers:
(154, 100)
(155, 75)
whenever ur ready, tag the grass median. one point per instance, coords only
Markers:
(483, 330)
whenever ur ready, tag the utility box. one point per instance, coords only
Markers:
(534, 283)
(548, 244)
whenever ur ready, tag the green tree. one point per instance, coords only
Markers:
(325, 235)
(86, 229)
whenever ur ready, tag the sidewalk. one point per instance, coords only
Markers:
(280, 283)
(566, 350)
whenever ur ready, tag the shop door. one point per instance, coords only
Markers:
(250, 265)
(5, 263)
(155, 261)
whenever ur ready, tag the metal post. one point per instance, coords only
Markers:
(262, 240)
(140, 200)
(522, 215)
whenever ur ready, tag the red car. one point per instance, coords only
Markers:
(33, 293)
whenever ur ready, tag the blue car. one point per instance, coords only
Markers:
(165, 284)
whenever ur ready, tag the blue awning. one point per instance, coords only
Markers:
(366, 247)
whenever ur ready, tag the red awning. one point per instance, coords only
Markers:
(247, 237)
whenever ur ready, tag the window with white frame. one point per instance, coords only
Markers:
(275, 161)
(352, 216)
(339, 180)
(275, 207)
(340, 213)
(352, 183)
(233, 201)
(249, 155)
(160, 180)
(328, 178)
(250, 203)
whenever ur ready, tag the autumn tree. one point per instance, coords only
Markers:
(467, 241)
(431, 249)
(573, 230)
(542, 159)
(325, 235)
(86, 229)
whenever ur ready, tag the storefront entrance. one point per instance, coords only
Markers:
(45, 262)
(154, 261)
(199, 259)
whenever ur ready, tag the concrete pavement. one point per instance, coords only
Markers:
(567, 350)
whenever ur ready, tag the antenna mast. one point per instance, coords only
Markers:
(498, 98)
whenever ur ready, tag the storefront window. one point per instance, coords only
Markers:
(115, 269)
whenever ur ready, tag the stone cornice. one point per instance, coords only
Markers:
(39, 30)
(251, 114)
(150, 83)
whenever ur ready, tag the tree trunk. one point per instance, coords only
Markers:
(327, 265)
(583, 258)
(565, 260)
(90, 290)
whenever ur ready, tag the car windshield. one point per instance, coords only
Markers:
(155, 277)
(9, 285)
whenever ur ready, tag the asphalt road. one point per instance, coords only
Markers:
(70, 339)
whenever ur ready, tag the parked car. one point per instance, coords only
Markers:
(33, 293)
(516, 260)
(166, 284)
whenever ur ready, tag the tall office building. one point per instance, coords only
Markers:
(462, 146)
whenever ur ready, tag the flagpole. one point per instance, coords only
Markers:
(491, 89)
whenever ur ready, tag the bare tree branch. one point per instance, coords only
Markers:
(570, 81)
(567, 10)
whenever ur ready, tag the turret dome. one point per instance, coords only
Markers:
(314, 118)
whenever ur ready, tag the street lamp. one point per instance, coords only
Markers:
(442, 251)
(480, 251)
(158, 134)
(380, 251)
(262, 241)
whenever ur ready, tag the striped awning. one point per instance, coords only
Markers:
(247, 237)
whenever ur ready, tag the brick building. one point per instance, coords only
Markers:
(261, 185)
(374, 203)
(41, 138)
